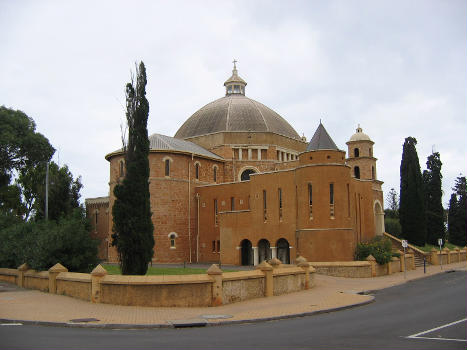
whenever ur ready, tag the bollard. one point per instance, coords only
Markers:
(424, 265)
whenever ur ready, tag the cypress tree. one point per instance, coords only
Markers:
(412, 207)
(457, 219)
(133, 228)
(433, 199)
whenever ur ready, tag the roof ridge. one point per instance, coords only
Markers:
(261, 113)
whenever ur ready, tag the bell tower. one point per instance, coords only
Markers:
(360, 156)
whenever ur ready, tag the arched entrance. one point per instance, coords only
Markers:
(247, 252)
(379, 218)
(283, 251)
(245, 176)
(264, 250)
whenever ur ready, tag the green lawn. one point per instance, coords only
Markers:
(429, 247)
(115, 270)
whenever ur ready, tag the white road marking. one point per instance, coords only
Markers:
(417, 335)
(11, 324)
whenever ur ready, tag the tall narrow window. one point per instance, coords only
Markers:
(96, 218)
(370, 151)
(218, 246)
(279, 197)
(265, 206)
(356, 152)
(215, 174)
(167, 167)
(348, 201)
(310, 199)
(172, 237)
(357, 172)
(215, 212)
(213, 246)
(373, 173)
(232, 203)
(197, 171)
(331, 199)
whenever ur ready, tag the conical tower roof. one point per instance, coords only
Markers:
(321, 140)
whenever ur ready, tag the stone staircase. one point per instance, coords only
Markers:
(418, 254)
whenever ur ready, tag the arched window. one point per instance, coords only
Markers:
(167, 167)
(246, 174)
(370, 151)
(357, 172)
(172, 237)
(356, 152)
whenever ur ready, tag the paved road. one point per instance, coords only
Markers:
(416, 309)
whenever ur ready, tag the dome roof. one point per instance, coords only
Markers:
(359, 136)
(235, 112)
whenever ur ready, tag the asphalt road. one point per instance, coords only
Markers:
(402, 317)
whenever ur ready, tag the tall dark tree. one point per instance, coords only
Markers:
(412, 206)
(433, 196)
(133, 228)
(457, 219)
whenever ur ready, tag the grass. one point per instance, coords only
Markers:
(429, 247)
(115, 270)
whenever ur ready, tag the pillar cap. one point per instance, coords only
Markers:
(23, 267)
(58, 268)
(274, 262)
(433, 249)
(300, 259)
(99, 270)
(370, 258)
(214, 270)
(303, 264)
(264, 266)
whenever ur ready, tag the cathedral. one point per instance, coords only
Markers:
(237, 185)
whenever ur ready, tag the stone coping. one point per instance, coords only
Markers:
(340, 263)
(8, 272)
(74, 276)
(37, 274)
(241, 275)
(153, 280)
(288, 271)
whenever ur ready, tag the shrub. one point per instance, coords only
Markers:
(44, 243)
(379, 247)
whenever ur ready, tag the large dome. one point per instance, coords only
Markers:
(235, 112)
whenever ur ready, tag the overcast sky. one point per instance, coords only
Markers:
(397, 68)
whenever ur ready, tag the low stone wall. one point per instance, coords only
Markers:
(211, 289)
(8, 275)
(36, 280)
(353, 269)
(240, 286)
(288, 280)
(447, 256)
(73, 284)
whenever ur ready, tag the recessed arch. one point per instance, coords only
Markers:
(264, 250)
(379, 217)
(283, 250)
(245, 172)
(246, 249)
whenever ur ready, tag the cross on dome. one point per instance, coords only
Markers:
(235, 84)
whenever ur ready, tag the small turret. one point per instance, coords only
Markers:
(235, 84)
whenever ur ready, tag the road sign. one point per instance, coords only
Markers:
(404, 243)
(440, 242)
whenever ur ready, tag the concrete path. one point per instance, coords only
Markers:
(328, 294)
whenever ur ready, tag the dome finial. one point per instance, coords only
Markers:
(235, 84)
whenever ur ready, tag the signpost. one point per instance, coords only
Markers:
(405, 245)
(440, 243)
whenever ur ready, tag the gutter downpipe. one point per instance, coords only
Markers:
(189, 204)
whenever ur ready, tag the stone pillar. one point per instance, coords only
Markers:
(255, 256)
(448, 255)
(21, 270)
(458, 251)
(300, 259)
(306, 267)
(402, 260)
(434, 256)
(96, 277)
(53, 273)
(215, 273)
(273, 252)
(268, 278)
(371, 259)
